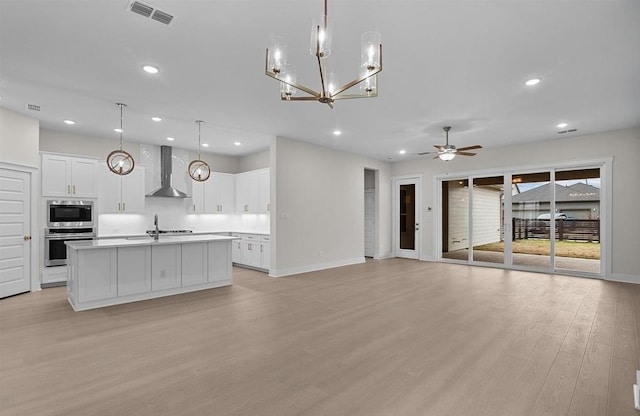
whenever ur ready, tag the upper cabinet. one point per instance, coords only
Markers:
(214, 196)
(252, 192)
(121, 194)
(69, 177)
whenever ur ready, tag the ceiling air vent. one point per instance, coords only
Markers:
(162, 17)
(33, 107)
(567, 131)
(141, 9)
(148, 11)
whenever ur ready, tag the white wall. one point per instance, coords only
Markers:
(19, 139)
(318, 217)
(623, 145)
(258, 160)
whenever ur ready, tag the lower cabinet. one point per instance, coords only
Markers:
(166, 272)
(134, 270)
(254, 250)
(109, 276)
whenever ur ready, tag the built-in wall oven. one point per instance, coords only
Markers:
(66, 220)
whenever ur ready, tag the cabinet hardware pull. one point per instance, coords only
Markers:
(261, 247)
(194, 207)
(69, 189)
(268, 207)
(74, 189)
(124, 206)
(119, 207)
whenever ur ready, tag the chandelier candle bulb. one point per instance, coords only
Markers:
(289, 76)
(278, 56)
(370, 51)
(320, 44)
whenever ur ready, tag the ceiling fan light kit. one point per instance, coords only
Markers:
(277, 67)
(448, 151)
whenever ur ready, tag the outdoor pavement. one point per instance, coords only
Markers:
(531, 260)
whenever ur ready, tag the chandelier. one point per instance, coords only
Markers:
(277, 67)
(119, 161)
(199, 170)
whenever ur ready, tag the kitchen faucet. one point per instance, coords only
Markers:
(156, 234)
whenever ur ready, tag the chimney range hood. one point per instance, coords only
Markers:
(166, 169)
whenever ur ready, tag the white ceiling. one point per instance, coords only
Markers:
(458, 63)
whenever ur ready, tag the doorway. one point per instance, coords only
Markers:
(407, 218)
(546, 220)
(15, 228)
(369, 212)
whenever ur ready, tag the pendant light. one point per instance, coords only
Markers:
(119, 161)
(199, 170)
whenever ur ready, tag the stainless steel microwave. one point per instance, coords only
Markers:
(70, 214)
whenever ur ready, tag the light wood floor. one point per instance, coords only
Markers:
(389, 337)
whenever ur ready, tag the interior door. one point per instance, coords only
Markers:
(407, 218)
(15, 226)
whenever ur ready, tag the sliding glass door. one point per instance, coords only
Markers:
(547, 220)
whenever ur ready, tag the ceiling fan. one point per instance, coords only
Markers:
(448, 151)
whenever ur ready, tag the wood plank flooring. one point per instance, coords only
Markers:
(388, 337)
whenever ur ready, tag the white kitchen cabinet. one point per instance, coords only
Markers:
(101, 270)
(253, 250)
(134, 270)
(194, 264)
(166, 270)
(236, 251)
(121, 194)
(220, 269)
(67, 176)
(214, 196)
(252, 192)
(264, 196)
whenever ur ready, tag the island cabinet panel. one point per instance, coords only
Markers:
(194, 264)
(134, 270)
(166, 269)
(219, 259)
(100, 271)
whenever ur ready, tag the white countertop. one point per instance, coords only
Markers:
(145, 241)
(193, 233)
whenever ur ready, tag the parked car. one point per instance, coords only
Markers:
(558, 216)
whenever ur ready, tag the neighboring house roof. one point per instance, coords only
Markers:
(576, 192)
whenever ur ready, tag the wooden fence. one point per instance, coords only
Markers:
(565, 229)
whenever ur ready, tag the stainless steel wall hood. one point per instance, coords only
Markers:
(166, 170)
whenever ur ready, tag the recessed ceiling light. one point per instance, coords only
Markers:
(402, 152)
(69, 122)
(237, 143)
(118, 130)
(533, 81)
(156, 119)
(150, 69)
(170, 139)
(562, 125)
(337, 132)
(205, 144)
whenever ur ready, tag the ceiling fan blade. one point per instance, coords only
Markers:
(438, 146)
(437, 157)
(426, 153)
(465, 153)
(475, 146)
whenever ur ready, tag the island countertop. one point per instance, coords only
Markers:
(145, 241)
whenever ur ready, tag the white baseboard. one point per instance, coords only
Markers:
(636, 391)
(624, 278)
(315, 267)
(383, 256)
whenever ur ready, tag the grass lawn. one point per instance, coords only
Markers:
(575, 249)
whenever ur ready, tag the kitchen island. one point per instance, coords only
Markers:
(114, 271)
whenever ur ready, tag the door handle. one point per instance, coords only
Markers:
(26, 238)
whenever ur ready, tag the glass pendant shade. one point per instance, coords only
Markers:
(321, 32)
(369, 85)
(370, 50)
(289, 75)
(332, 83)
(447, 156)
(277, 54)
